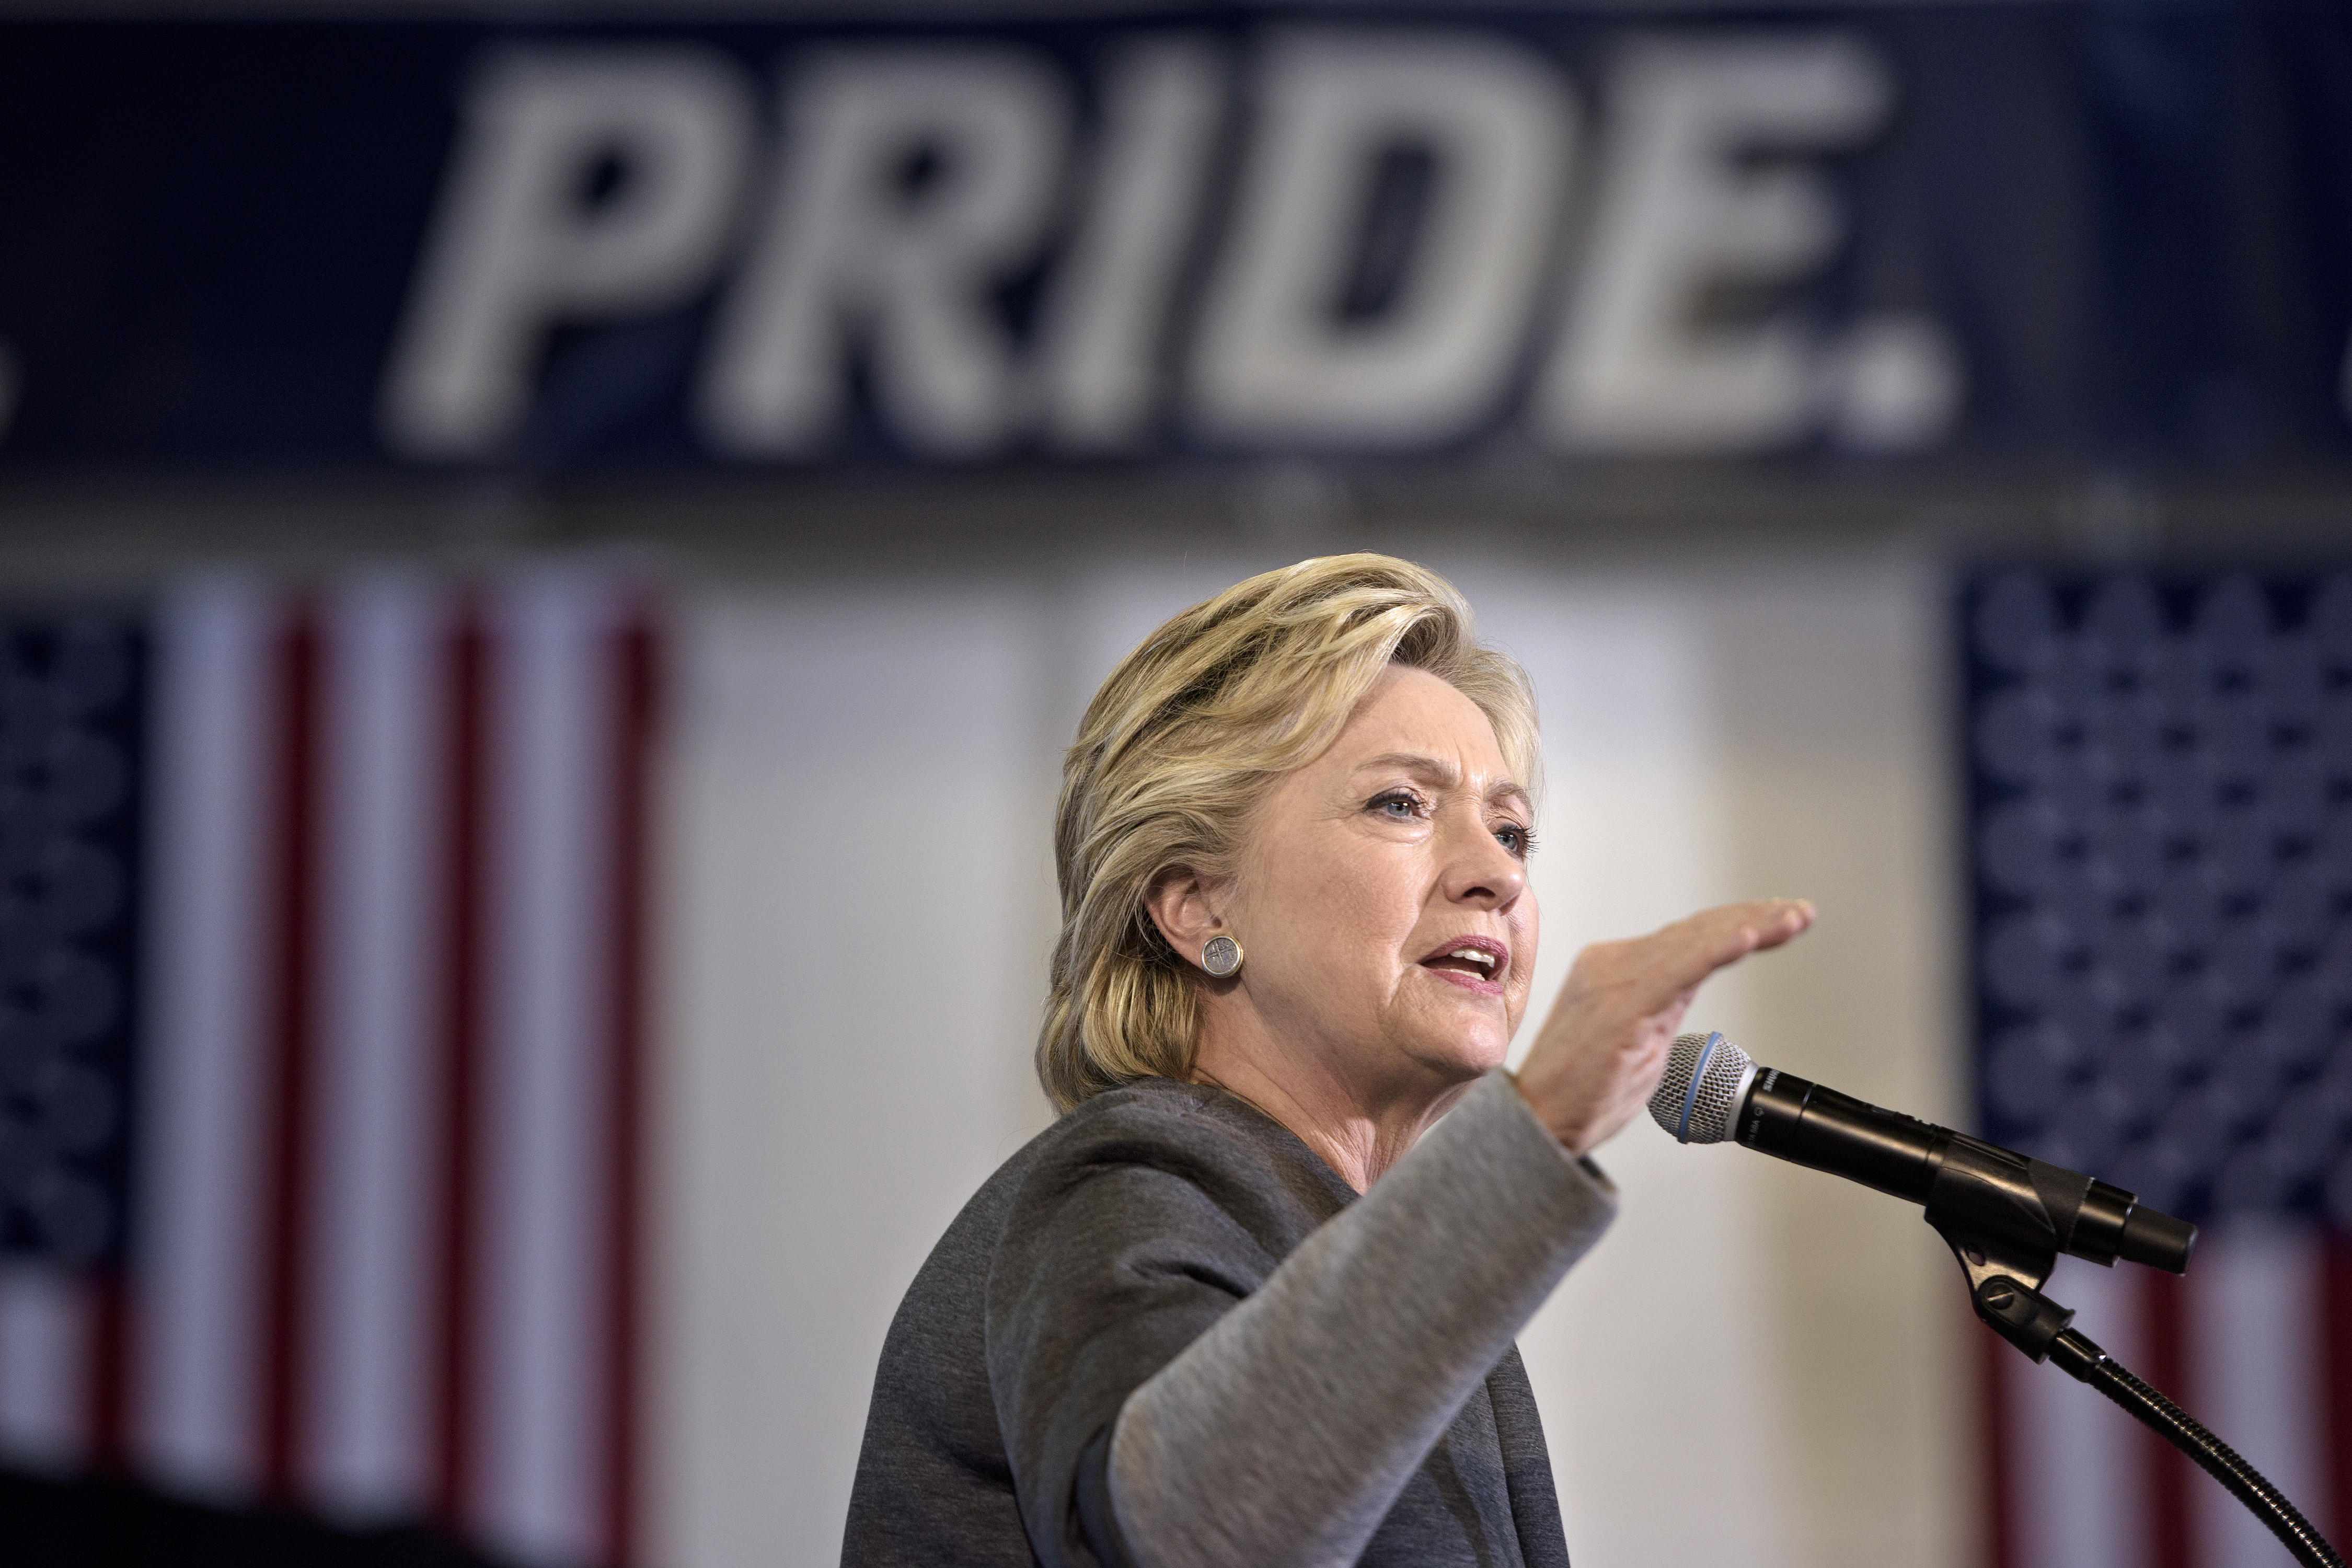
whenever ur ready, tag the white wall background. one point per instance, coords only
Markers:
(858, 858)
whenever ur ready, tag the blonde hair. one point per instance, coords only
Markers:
(1177, 749)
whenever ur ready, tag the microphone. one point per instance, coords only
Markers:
(1982, 1197)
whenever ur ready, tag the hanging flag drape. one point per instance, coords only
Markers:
(377, 1109)
(2160, 781)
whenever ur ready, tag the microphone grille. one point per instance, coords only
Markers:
(1696, 1099)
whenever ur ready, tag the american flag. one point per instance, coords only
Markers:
(2160, 843)
(322, 946)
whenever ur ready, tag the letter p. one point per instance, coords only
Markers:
(587, 185)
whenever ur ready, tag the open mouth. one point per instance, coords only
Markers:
(1476, 960)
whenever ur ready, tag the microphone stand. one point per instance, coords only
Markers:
(2007, 1265)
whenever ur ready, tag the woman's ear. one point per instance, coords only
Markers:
(1178, 901)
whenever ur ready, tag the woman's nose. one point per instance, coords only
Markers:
(1481, 871)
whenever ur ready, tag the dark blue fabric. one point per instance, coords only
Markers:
(2131, 216)
(2160, 787)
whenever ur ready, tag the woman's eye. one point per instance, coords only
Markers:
(1397, 808)
(1519, 841)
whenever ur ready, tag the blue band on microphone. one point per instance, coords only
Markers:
(1690, 1097)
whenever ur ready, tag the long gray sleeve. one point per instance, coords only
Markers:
(1283, 1432)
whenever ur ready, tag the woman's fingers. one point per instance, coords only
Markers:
(1678, 957)
(1784, 921)
(1728, 932)
(1601, 1050)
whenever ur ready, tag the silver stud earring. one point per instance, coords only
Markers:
(1221, 956)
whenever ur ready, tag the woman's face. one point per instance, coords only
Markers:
(1381, 895)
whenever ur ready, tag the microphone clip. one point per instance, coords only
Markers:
(2021, 1315)
(2006, 1222)
(1986, 1205)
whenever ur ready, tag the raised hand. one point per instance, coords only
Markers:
(1604, 1046)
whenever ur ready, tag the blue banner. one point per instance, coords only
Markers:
(72, 724)
(2005, 236)
(2161, 820)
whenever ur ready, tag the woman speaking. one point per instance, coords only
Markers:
(1249, 1301)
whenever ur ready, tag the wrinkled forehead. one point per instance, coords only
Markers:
(1413, 723)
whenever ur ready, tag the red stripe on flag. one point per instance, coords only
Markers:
(1999, 1494)
(465, 925)
(2335, 1336)
(109, 1369)
(2164, 1365)
(289, 1064)
(633, 678)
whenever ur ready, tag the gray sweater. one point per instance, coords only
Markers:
(1165, 1333)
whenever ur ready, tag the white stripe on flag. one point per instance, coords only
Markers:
(45, 1325)
(2075, 1457)
(544, 1244)
(2255, 1354)
(194, 1420)
(372, 1381)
